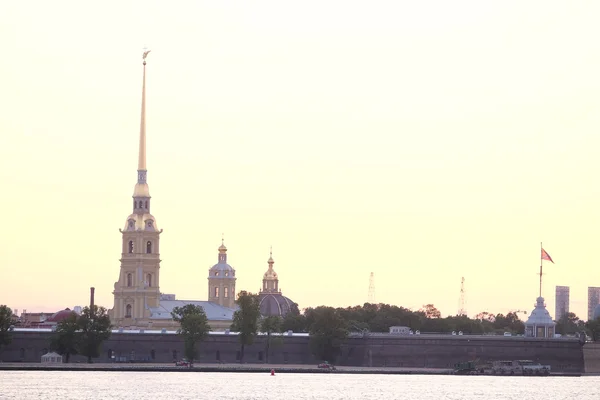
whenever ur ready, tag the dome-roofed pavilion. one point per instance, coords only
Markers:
(272, 301)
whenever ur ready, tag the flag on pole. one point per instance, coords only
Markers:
(546, 256)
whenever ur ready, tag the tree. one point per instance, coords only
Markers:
(270, 325)
(593, 328)
(94, 325)
(568, 324)
(245, 319)
(430, 311)
(6, 321)
(194, 328)
(294, 323)
(67, 338)
(327, 331)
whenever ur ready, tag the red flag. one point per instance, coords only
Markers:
(546, 256)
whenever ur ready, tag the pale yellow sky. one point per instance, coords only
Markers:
(421, 141)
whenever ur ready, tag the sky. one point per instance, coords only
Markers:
(420, 141)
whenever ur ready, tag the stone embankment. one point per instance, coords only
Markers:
(248, 368)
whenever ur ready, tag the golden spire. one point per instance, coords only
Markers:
(222, 248)
(271, 258)
(142, 155)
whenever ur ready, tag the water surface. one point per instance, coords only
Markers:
(76, 385)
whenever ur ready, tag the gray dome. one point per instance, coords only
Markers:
(221, 270)
(597, 312)
(540, 316)
(274, 304)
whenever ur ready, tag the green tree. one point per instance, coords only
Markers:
(328, 330)
(294, 322)
(246, 319)
(593, 329)
(568, 324)
(66, 340)
(194, 328)
(6, 320)
(94, 326)
(270, 325)
(430, 311)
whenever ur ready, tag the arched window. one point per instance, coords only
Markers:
(226, 292)
(226, 273)
(135, 204)
(216, 273)
(149, 280)
(148, 247)
(129, 280)
(146, 204)
(130, 246)
(216, 291)
(128, 311)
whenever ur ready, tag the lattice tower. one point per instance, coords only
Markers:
(461, 302)
(371, 298)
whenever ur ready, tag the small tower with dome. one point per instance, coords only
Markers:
(272, 302)
(540, 323)
(221, 280)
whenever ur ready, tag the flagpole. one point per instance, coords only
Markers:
(541, 248)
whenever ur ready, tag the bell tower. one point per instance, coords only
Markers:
(137, 288)
(221, 280)
(270, 278)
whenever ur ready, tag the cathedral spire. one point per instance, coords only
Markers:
(142, 153)
(270, 262)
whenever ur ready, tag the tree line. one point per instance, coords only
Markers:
(77, 334)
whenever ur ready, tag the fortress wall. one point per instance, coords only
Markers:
(591, 355)
(432, 351)
(438, 351)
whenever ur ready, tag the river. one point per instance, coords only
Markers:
(64, 385)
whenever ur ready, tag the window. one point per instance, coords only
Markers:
(226, 273)
(135, 204)
(226, 292)
(129, 280)
(216, 292)
(146, 204)
(128, 311)
(216, 273)
(149, 280)
(152, 354)
(130, 246)
(148, 247)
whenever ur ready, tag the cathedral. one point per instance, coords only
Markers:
(138, 301)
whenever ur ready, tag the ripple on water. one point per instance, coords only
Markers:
(75, 385)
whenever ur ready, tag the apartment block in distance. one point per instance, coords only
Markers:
(561, 302)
